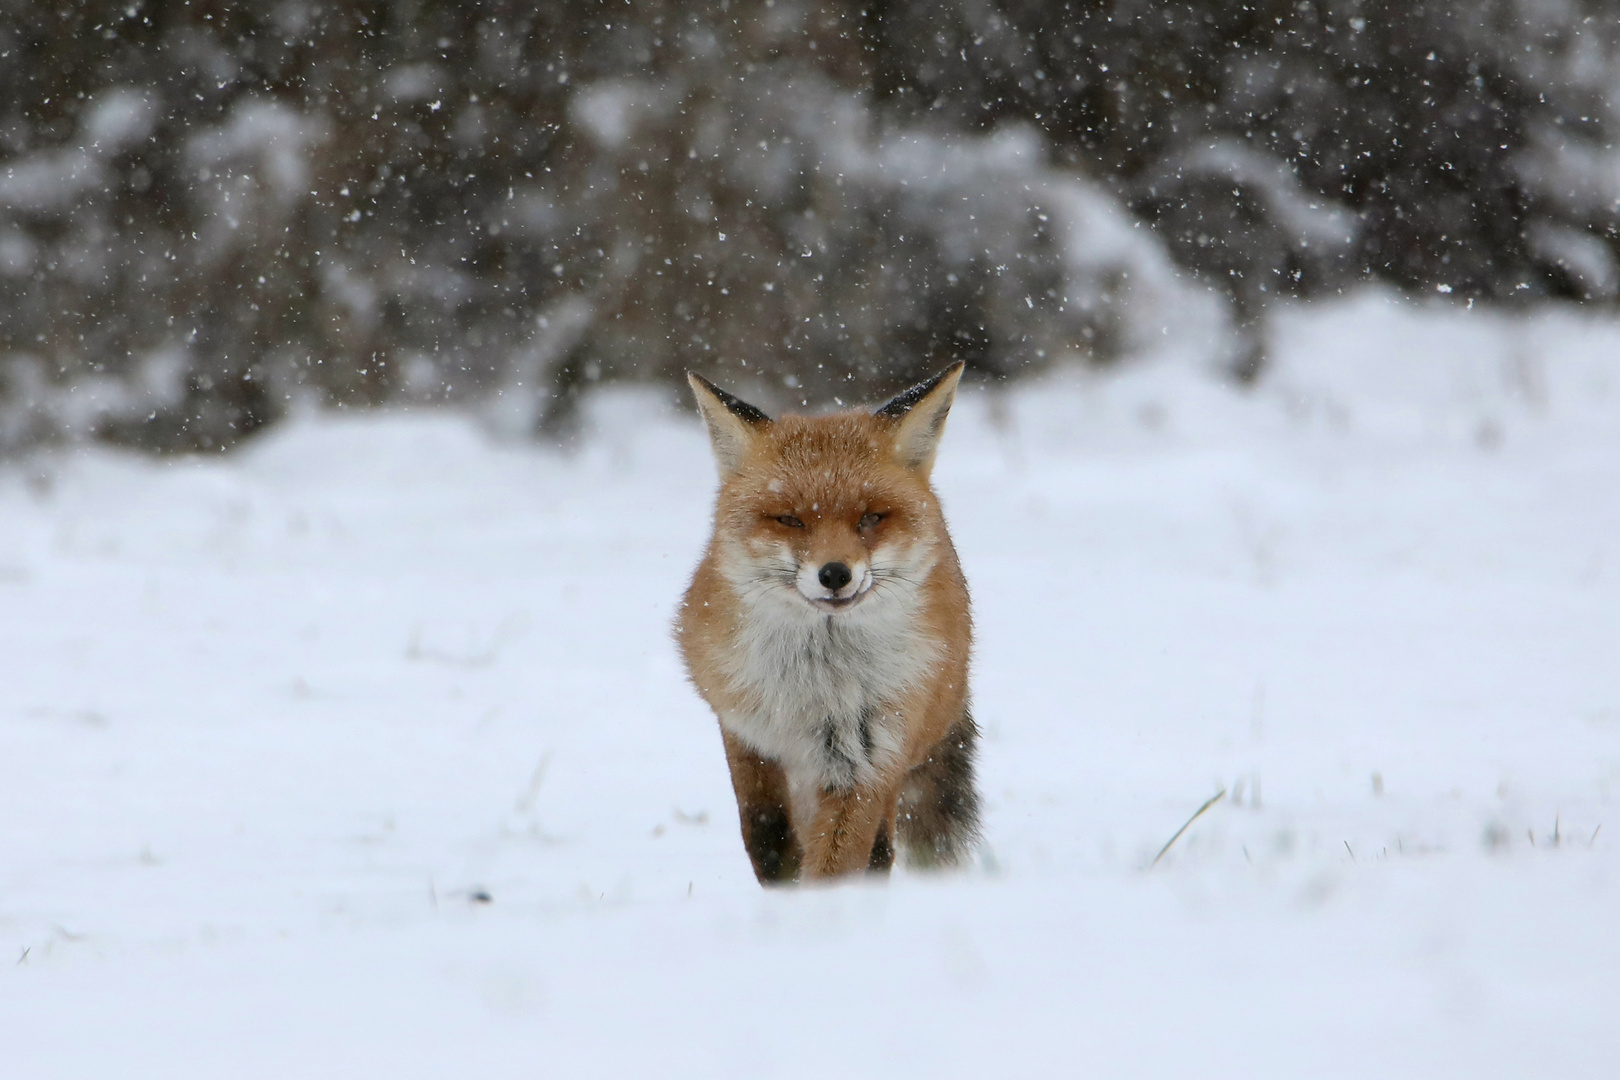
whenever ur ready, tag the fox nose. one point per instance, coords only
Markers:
(834, 576)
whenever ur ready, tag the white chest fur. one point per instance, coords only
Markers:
(822, 690)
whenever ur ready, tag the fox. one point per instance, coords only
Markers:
(828, 627)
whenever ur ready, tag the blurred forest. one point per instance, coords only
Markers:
(213, 211)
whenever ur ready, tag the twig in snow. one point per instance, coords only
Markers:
(525, 802)
(1211, 801)
(1595, 831)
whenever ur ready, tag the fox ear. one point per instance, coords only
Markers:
(919, 416)
(733, 423)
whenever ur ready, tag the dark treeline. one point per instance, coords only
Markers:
(210, 210)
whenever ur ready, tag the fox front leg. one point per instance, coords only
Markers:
(762, 809)
(852, 831)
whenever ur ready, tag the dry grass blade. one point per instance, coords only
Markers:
(1211, 801)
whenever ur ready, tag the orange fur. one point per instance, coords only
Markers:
(835, 701)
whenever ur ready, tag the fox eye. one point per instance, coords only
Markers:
(869, 521)
(790, 521)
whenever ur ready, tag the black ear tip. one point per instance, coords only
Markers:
(902, 402)
(734, 404)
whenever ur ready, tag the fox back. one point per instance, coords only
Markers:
(828, 627)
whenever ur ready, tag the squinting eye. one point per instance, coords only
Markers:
(790, 521)
(870, 521)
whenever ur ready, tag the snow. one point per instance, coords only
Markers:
(1311, 221)
(1586, 259)
(273, 723)
(611, 110)
(273, 137)
(54, 181)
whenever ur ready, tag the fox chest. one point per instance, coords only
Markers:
(823, 696)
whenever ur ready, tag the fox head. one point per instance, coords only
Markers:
(828, 515)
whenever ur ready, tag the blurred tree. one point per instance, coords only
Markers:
(210, 210)
(215, 208)
(1293, 146)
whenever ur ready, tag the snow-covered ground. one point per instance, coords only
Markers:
(365, 752)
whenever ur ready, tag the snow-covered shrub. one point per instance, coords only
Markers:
(354, 202)
(210, 211)
(1295, 146)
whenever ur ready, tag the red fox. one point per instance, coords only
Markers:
(828, 628)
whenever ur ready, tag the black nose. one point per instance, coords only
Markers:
(834, 576)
